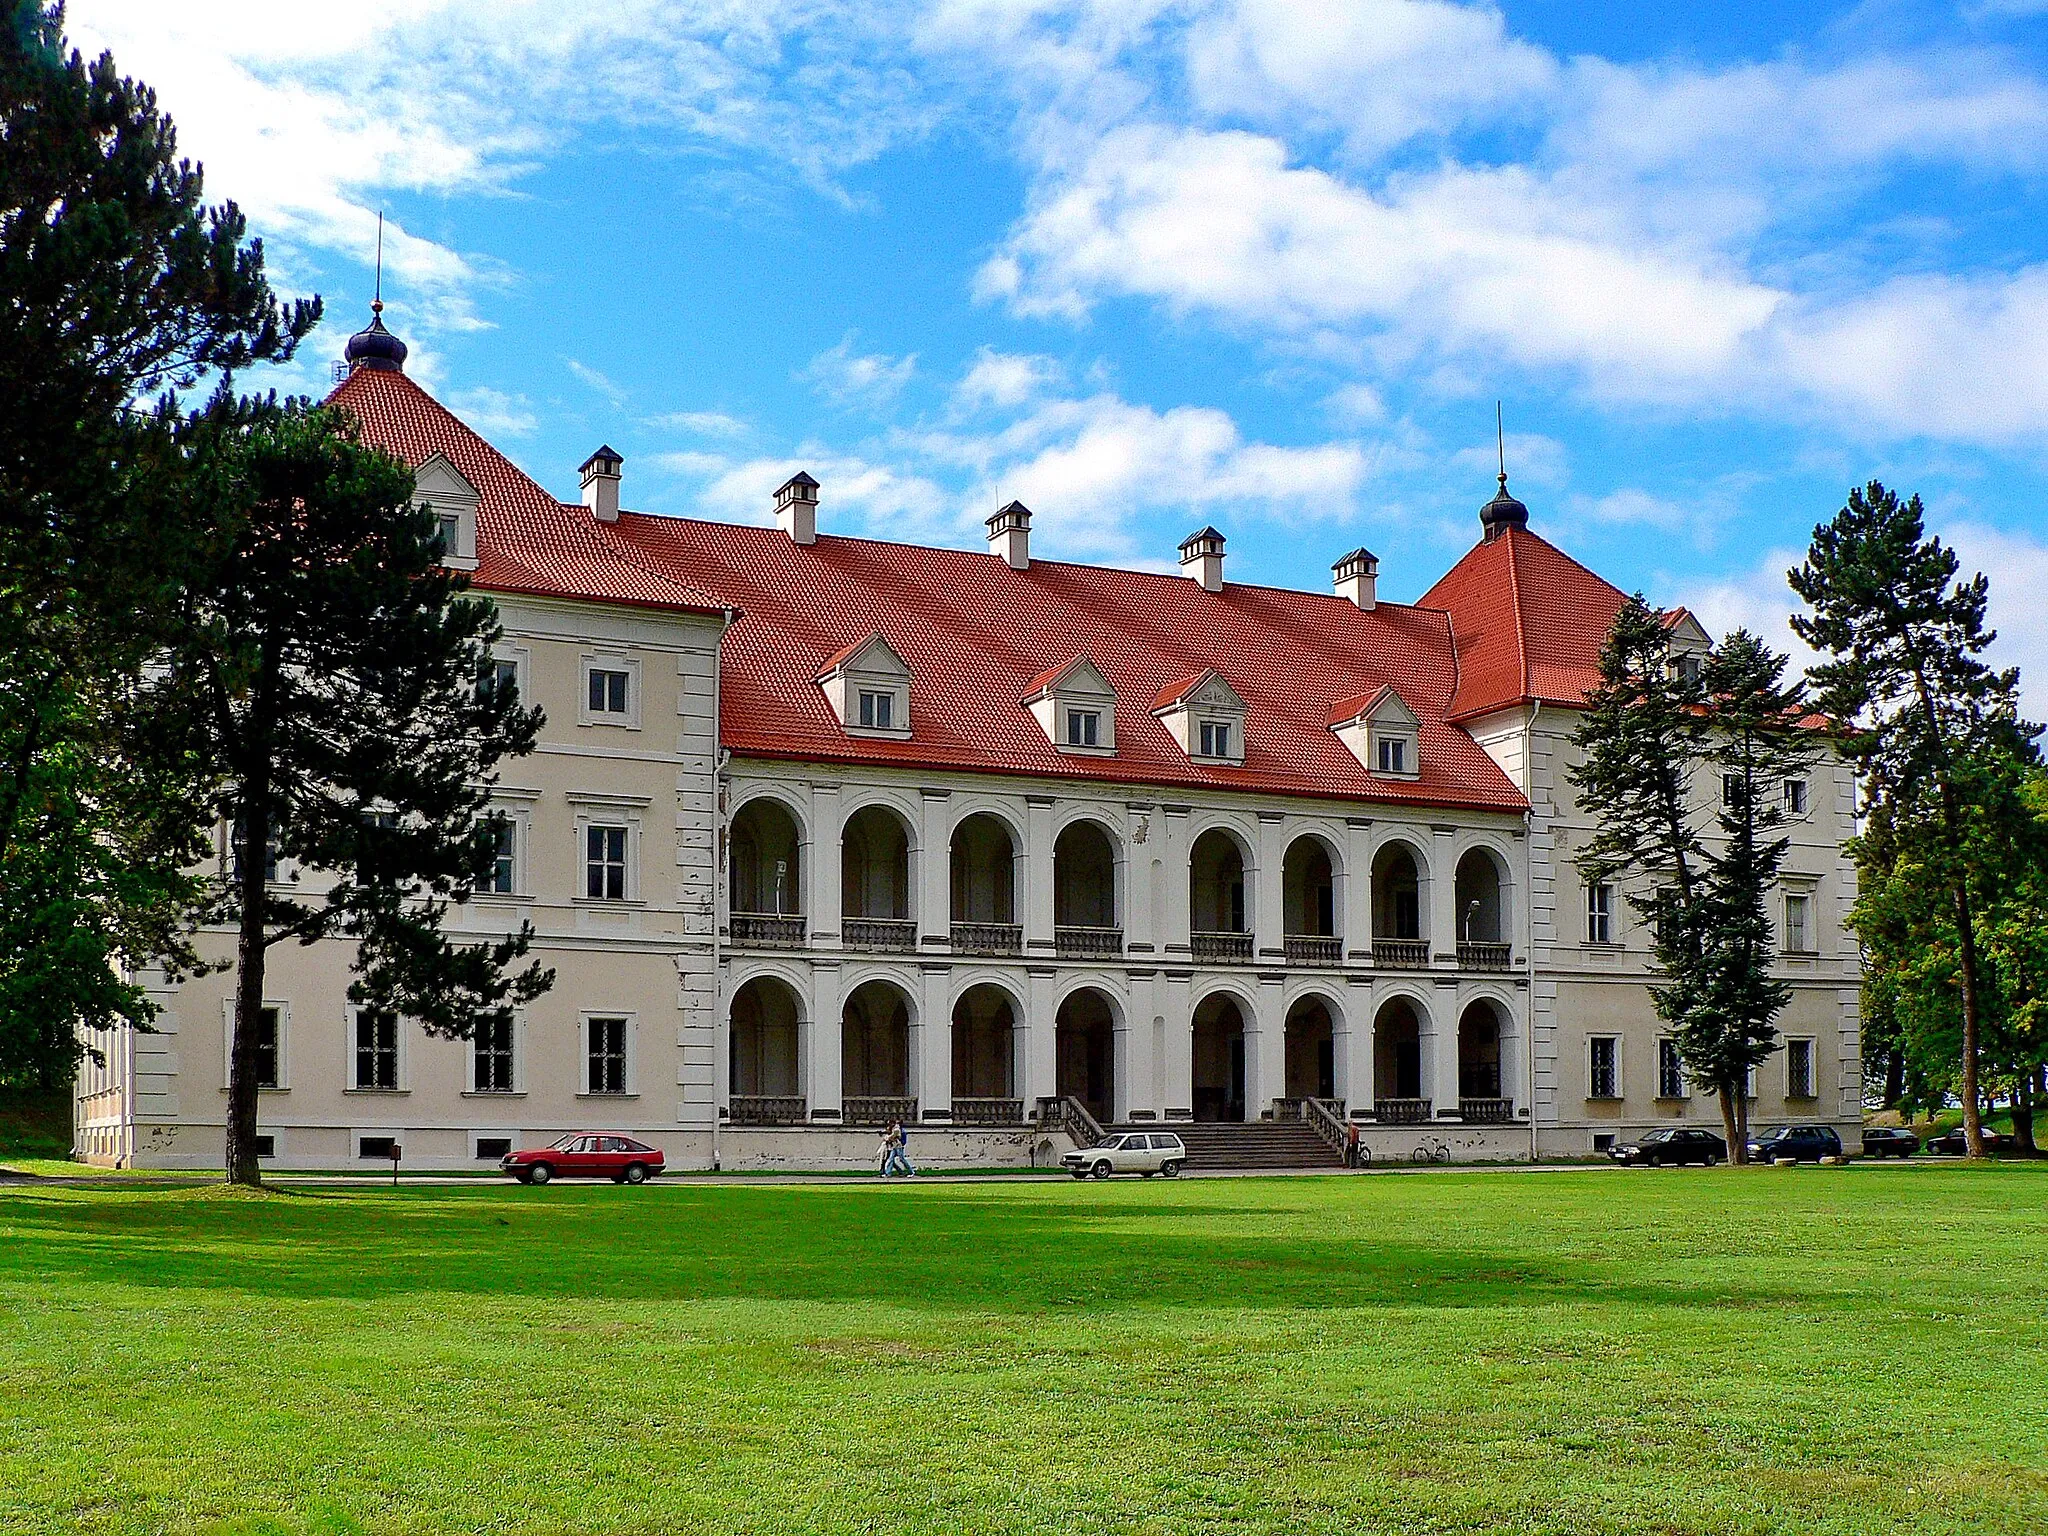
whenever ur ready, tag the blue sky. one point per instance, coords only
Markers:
(1149, 265)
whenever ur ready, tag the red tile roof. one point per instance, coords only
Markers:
(1528, 621)
(978, 636)
(526, 540)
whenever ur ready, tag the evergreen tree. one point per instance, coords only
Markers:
(343, 678)
(115, 282)
(1937, 733)
(1653, 728)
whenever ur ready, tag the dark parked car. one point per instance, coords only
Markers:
(1950, 1143)
(1889, 1141)
(1672, 1144)
(618, 1158)
(1796, 1143)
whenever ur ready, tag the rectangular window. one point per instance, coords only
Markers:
(266, 1146)
(494, 1056)
(604, 863)
(1731, 790)
(376, 1050)
(504, 876)
(1393, 754)
(608, 692)
(380, 1147)
(1215, 738)
(1603, 1076)
(1798, 1069)
(500, 678)
(490, 1148)
(267, 1053)
(877, 710)
(449, 527)
(1670, 1071)
(1798, 925)
(1599, 913)
(607, 1056)
(1084, 728)
(1795, 797)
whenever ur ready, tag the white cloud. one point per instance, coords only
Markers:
(586, 374)
(494, 413)
(847, 377)
(701, 423)
(1006, 379)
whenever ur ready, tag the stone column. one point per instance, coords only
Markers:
(1443, 896)
(935, 875)
(1137, 1085)
(934, 1085)
(1268, 899)
(1440, 1052)
(1037, 853)
(820, 1042)
(1357, 906)
(1173, 995)
(1265, 1047)
(1173, 937)
(825, 852)
(1351, 1045)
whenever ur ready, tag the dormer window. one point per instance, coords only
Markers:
(443, 491)
(1076, 708)
(1382, 732)
(1206, 716)
(867, 686)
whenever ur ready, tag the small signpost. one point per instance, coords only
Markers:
(395, 1150)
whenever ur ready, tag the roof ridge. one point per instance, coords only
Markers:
(1521, 616)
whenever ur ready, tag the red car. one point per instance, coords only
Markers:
(618, 1158)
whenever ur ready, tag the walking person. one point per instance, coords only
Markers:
(899, 1152)
(1350, 1143)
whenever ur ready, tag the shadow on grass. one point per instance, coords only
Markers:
(998, 1254)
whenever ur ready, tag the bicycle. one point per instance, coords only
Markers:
(1431, 1152)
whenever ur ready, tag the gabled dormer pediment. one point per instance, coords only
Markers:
(1690, 641)
(1076, 707)
(1381, 731)
(443, 489)
(1205, 715)
(868, 686)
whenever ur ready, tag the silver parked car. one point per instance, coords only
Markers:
(1146, 1152)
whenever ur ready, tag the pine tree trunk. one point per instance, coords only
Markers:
(1966, 947)
(253, 853)
(1738, 1143)
(1894, 1077)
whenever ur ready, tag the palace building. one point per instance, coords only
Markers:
(826, 832)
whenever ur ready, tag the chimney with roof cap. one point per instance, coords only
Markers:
(1358, 575)
(601, 484)
(1009, 535)
(796, 508)
(1201, 556)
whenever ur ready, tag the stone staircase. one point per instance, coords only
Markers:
(1261, 1144)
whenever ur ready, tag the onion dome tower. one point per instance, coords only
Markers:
(374, 347)
(1504, 511)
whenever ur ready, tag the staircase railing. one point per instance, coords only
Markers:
(1324, 1117)
(1069, 1114)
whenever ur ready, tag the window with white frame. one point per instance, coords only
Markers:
(1599, 912)
(500, 678)
(374, 1058)
(1670, 1071)
(268, 1045)
(1798, 923)
(878, 709)
(492, 1057)
(503, 879)
(1732, 790)
(1084, 727)
(1393, 754)
(1798, 1069)
(610, 690)
(1795, 797)
(604, 861)
(605, 1041)
(610, 694)
(448, 525)
(1216, 736)
(1603, 1067)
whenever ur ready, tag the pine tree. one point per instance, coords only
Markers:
(1654, 726)
(1936, 732)
(342, 674)
(115, 282)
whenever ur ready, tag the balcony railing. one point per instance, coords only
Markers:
(1401, 954)
(767, 930)
(878, 1109)
(988, 1111)
(1314, 949)
(1401, 1111)
(878, 933)
(1486, 1111)
(1222, 946)
(1483, 957)
(767, 1109)
(1089, 943)
(988, 938)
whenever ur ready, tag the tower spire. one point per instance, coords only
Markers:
(374, 346)
(1503, 512)
(377, 303)
(1500, 435)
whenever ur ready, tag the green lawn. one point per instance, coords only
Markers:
(1753, 1351)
